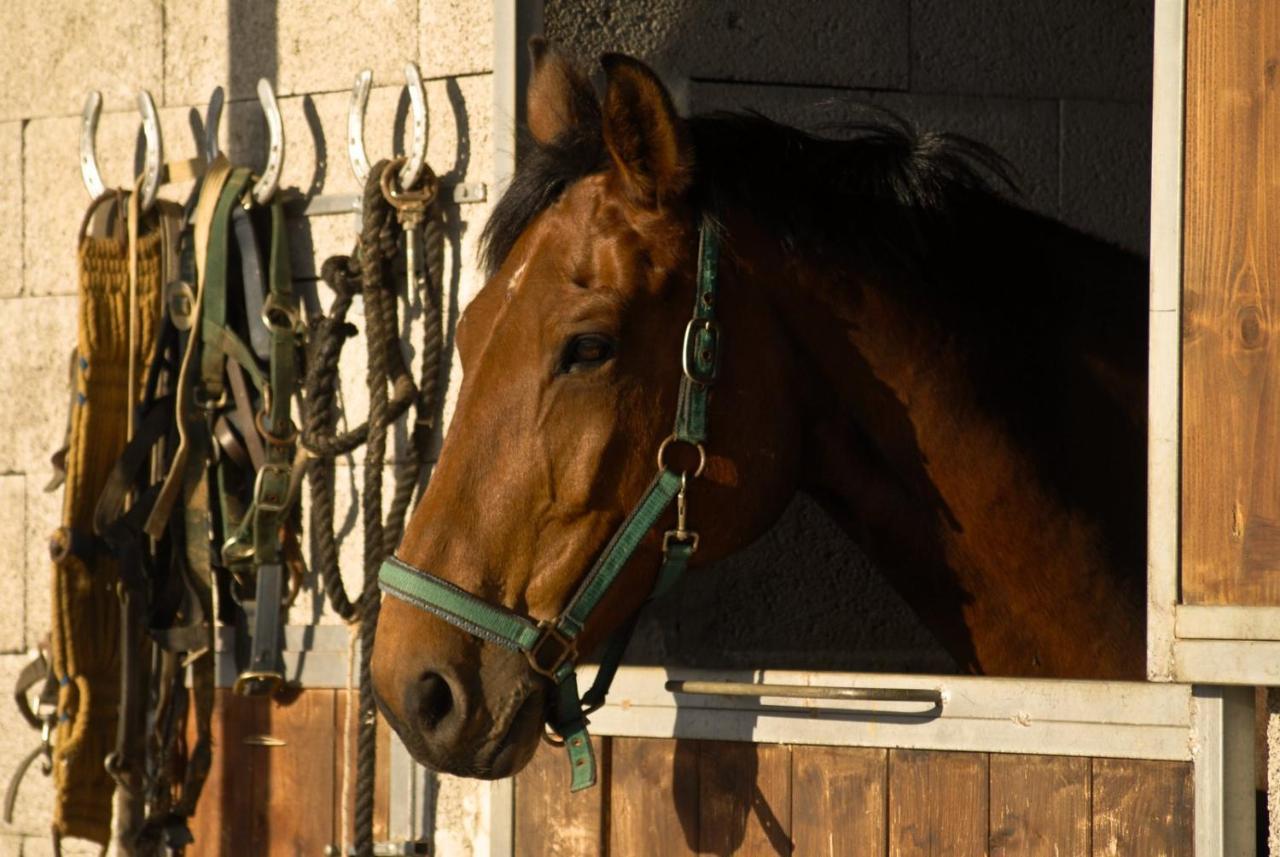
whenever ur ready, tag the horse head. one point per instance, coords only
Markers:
(574, 361)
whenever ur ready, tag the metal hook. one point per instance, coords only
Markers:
(155, 150)
(153, 163)
(265, 187)
(212, 118)
(417, 155)
(88, 156)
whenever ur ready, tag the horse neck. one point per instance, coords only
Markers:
(949, 501)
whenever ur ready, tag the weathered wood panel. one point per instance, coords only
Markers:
(231, 815)
(937, 804)
(653, 797)
(666, 797)
(1231, 316)
(1142, 809)
(276, 782)
(1039, 806)
(299, 773)
(744, 799)
(551, 820)
(838, 801)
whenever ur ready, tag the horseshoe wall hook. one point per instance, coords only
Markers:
(212, 117)
(154, 159)
(265, 187)
(417, 155)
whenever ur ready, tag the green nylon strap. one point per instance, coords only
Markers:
(656, 499)
(280, 313)
(457, 606)
(496, 623)
(569, 723)
(700, 357)
(213, 311)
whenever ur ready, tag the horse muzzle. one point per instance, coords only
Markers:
(483, 721)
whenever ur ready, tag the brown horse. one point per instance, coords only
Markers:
(959, 381)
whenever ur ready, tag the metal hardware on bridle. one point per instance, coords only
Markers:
(550, 645)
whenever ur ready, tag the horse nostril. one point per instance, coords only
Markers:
(435, 699)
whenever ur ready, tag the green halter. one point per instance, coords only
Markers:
(551, 645)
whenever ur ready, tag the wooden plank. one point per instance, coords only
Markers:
(937, 804)
(838, 803)
(653, 797)
(1039, 806)
(744, 799)
(299, 773)
(1231, 307)
(231, 814)
(551, 820)
(1142, 809)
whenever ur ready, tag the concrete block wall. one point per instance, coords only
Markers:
(57, 50)
(1062, 88)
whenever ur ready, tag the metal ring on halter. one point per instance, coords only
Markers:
(423, 195)
(270, 438)
(671, 438)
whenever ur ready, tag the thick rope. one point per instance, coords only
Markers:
(369, 274)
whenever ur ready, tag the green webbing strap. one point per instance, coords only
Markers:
(213, 312)
(662, 490)
(280, 312)
(700, 361)
(457, 606)
(700, 357)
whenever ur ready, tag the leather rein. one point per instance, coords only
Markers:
(550, 645)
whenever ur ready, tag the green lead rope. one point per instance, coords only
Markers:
(551, 646)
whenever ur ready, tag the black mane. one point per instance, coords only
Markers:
(881, 179)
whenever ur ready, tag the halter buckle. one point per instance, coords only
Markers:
(701, 357)
(568, 649)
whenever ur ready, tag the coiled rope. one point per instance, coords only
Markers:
(392, 391)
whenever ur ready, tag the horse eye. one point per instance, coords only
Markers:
(586, 352)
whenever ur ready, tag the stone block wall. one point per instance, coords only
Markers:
(311, 50)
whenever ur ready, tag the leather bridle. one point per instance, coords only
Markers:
(551, 645)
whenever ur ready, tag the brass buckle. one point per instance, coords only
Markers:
(568, 649)
(257, 683)
(266, 499)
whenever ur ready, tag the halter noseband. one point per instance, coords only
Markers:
(551, 645)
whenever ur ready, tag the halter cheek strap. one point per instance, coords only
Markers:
(551, 645)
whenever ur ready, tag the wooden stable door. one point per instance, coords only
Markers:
(674, 797)
(276, 782)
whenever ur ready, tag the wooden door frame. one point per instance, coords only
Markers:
(1188, 643)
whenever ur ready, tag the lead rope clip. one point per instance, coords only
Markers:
(681, 533)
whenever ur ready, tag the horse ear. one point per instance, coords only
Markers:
(559, 97)
(646, 138)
